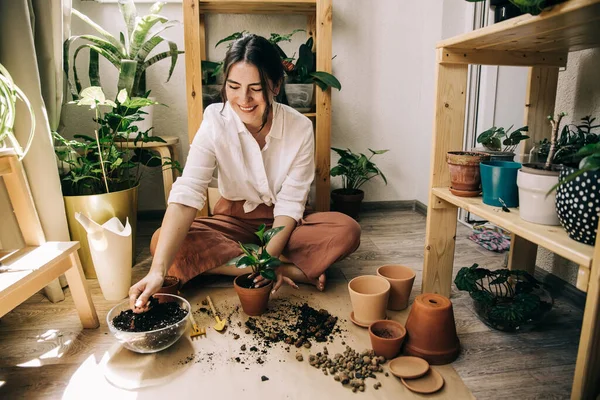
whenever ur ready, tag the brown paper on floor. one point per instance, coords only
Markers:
(212, 372)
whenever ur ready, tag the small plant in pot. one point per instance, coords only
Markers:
(507, 300)
(500, 144)
(465, 176)
(355, 170)
(535, 180)
(254, 300)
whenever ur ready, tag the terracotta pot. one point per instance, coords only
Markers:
(431, 330)
(254, 300)
(369, 296)
(170, 285)
(387, 337)
(401, 279)
(347, 201)
(464, 169)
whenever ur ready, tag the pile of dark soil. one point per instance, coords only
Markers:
(384, 333)
(160, 315)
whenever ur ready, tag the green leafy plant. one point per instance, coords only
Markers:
(572, 139)
(492, 139)
(356, 169)
(505, 299)
(130, 54)
(533, 7)
(257, 257)
(102, 163)
(9, 94)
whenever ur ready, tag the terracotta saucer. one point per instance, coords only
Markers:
(408, 367)
(431, 382)
(359, 323)
(465, 193)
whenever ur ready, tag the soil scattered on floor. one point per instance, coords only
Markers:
(160, 315)
(384, 333)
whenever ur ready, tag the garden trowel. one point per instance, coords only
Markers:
(220, 325)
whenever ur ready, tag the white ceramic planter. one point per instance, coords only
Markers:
(299, 95)
(534, 205)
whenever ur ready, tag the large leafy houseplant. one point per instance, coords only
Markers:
(102, 163)
(130, 54)
(572, 139)
(9, 94)
(507, 300)
(499, 139)
(356, 169)
(533, 7)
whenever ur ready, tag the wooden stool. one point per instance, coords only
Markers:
(24, 272)
(165, 150)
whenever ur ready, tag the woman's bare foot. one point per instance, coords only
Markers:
(296, 274)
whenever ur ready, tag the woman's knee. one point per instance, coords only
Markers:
(350, 230)
(154, 241)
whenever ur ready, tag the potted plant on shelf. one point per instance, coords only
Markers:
(577, 193)
(254, 300)
(211, 90)
(465, 175)
(99, 175)
(507, 300)
(130, 54)
(9, 93)
(500, 144)
(533, 7)
(355, 171)
(535, 180)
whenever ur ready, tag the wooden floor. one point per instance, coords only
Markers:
(42, 344)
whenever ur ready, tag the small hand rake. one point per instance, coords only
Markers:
(195, 330)
(220, 325)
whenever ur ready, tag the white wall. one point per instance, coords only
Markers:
(385, 62)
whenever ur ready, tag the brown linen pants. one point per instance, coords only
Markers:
(319, 240)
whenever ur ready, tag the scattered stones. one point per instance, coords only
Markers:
(264, 378)
(377, 385)
(243, 347)
(204, 302)
(236, 336)
(299, 357)
(386, 374)
(247, 331)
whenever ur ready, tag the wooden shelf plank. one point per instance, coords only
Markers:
(553, 238)
(570, 26)
(258, 7)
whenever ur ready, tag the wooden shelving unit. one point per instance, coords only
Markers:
(318, 24)
(542, 43)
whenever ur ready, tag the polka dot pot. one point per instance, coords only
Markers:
(578, 205)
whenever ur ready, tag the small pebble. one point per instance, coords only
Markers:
(204, 302)
(243, 348)
(264, 378)
(299, 357)
(247, 331)
(236, 336)
(386, 374)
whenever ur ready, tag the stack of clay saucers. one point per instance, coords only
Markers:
(416, 374)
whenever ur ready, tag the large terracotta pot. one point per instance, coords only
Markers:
(431, 330)
(401, 279)
(369, 296)
(464, 171)
(254, 300)
(387, 337)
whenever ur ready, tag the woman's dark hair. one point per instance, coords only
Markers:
(258, 51)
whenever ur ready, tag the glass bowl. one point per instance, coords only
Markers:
(150, 341)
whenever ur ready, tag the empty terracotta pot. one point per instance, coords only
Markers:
(387, 337)
(464, 169)
(401, 279)
(431, 331)
(254, 300)
(170, 285)
(369, 296)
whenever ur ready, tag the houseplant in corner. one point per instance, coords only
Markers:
(99, 175)
(254, 300)
(535, 180)
(500, 144)
(355, 171)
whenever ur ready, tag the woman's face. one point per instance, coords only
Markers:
(245, 93)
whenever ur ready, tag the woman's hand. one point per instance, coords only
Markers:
(261, 281)
(140, 293)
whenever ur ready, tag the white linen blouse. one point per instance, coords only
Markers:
(280, 174)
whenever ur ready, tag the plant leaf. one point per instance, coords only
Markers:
(270, 233)
(268, 274)
(246, 261)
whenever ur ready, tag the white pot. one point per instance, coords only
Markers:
(534, 205)
(147, 122)
(299, 95)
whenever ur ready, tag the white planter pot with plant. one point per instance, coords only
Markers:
(536, 180)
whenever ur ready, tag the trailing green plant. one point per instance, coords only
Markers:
(492, 139)
(300, 70)
(257, 257)
(9, 94)
(130, 54)
(356, 169)
(505, 299)
(102, 163)
(533, 7)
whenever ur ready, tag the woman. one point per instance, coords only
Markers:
(264, 152)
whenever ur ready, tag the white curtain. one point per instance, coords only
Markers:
(31, 47)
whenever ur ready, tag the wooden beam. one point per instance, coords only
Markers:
(501, 57)
(323, 101)
(539, 104)
(583, 278)
(5, 166)
(448, 129)
(193, 66)
(522, 254)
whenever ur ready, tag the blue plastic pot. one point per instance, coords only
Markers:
(499, 180)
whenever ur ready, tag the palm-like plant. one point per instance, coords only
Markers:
(9, 93)
(129, 54)
(356, 169)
